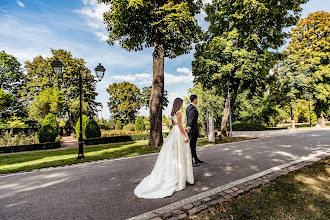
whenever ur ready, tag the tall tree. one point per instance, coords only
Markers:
(308, 60)
(11, 74)
(239, 45)
(11, 82)
(40, 76)
(124, 101)
(47, 101)
(146, 94)
(168, 26)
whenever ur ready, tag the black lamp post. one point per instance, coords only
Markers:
(99, 70)
(309, 96)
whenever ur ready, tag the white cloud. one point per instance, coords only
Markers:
(93, 13)
(172, 79)
(128, 78)
(21, 4)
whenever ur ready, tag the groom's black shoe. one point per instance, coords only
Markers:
(195, 165)
(199, 161)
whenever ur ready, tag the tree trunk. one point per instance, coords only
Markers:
(156, 98)
(225, 119)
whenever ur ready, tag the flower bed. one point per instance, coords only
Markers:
(9, 139)
(116, 139)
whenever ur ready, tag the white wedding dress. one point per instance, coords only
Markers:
(172, 170)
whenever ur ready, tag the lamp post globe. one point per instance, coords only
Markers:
(57, 66)
(99, 71)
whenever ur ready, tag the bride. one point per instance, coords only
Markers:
(173, 167)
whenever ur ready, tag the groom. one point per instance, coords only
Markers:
(192, 127)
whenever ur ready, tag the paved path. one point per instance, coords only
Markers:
(104, 190)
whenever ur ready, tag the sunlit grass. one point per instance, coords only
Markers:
(304, 194)
(52, 158)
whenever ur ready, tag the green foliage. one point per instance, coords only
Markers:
(16, 122)
(139, 124)
(11, 74)
(84, 123)
(47, 133)
(129, 127)
(124, 101)
(118, 125)
(48, 101)
(248, 126)
(12, 81)
(40, 77)
(146, 122)
(92, 129)
(52, 121)
(145, 97)
(307, 62)
(208, 100)
(240, 42)
(134, 24)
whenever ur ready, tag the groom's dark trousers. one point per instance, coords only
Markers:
(192, 117)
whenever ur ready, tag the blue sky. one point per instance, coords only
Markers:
(29, 28)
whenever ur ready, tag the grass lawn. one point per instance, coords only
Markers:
(304, 194)
(59, 157)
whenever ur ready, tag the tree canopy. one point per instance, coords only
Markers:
(124, 101)
(40, 76)
(239, 46)
(307, 60)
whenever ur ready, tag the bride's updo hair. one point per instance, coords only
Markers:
(176, 105)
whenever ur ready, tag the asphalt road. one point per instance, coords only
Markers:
(104, 190)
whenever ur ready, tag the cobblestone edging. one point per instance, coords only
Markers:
(207, 204)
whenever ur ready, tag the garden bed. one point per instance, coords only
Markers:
(30, 147)
(117, 139)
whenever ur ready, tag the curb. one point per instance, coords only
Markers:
(235, 189)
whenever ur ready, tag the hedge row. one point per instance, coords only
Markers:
(116, 139)
(29, 147)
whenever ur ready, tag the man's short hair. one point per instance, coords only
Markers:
(193, 97)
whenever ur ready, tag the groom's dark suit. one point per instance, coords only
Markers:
(192, 116)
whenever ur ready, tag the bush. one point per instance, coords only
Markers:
(129, 127)
(84, 122)
(139, 124)
(51, 120)
(118, 125)
(47, 134)
(248, 126)
(29, 147)
(92, 129)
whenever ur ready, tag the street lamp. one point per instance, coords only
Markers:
(99, 70)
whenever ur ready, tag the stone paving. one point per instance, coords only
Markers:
(207, 205)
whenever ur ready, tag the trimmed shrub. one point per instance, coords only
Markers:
(248, 126)
(92, 129)
(84, 123)
(29, 147)
(118, 125)
(47, 133)
(51, 120)
(139, 124)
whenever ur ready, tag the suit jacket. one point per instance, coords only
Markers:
(192, 116)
